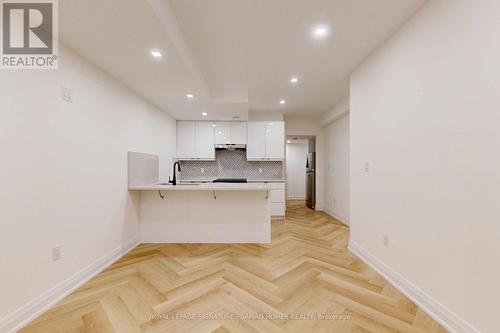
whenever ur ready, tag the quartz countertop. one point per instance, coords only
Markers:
(210, 180)
(207, 186)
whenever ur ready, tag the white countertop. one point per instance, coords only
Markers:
(248, 180)
(206, 187)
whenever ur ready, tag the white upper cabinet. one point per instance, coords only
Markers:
(266, 140)
(205, 140)
(275, 140)
(231, 133)
(256, 140)
(186, 139)
(238, 133)
(195, 140)
(222, 133)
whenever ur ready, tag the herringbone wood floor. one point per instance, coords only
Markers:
(307, 270)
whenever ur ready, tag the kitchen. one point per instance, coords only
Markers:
(228, 183)
(276, 160)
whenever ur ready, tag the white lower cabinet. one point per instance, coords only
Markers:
(277, 209)
(278, 201)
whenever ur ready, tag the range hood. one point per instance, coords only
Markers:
(231, 147)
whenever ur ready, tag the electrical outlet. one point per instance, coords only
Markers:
(386, 240)
(367, 166)
(66, 94)
(56, 253)
(202, 170)
(260, 170)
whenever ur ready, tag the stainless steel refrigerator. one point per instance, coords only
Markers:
(311, 180)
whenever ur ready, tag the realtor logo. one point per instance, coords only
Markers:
(29, 34)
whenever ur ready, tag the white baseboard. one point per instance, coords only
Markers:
(342, 219)
(31, 310)
(425, 302)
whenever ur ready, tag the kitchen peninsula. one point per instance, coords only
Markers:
(200, 212)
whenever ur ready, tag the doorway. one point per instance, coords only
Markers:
(296, 157)
(300, 170)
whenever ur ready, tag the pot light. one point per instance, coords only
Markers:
(282, 102)
(288, 141)
(320, 32)
(213, 125)
(294, 80)
(156, 54)
(189, 95)
(204, 114)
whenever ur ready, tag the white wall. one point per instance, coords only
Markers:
(63, 172)
(296, 156)
(337, 169)
(425, 113)
(260, 116)
(338, 111)
(309, 126)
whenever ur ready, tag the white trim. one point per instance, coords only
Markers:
(424, 301)
(34, 308)
(335, 216)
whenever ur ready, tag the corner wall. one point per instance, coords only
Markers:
(63, 171)
(425, 116)
(336, 196)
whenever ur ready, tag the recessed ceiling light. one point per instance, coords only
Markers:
(320, 31)
(189, 95)
(213, 125)
(156, 54)
(204, 114)
(294, 80)
(288, 141)
(282, 102)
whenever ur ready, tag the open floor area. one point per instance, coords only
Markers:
(306, 272)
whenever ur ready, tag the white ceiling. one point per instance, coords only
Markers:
(234, 56)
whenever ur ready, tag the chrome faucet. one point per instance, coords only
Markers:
(174, 180)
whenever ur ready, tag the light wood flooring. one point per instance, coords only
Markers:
(307, 271)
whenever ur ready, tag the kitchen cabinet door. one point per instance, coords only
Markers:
(275, 140)
(222, 133)
(256, 140)
(186, 139)
(239, 133)
(205, 140)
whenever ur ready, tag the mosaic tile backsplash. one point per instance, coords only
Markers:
(231, 164)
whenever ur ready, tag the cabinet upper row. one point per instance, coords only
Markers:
(264, 140)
